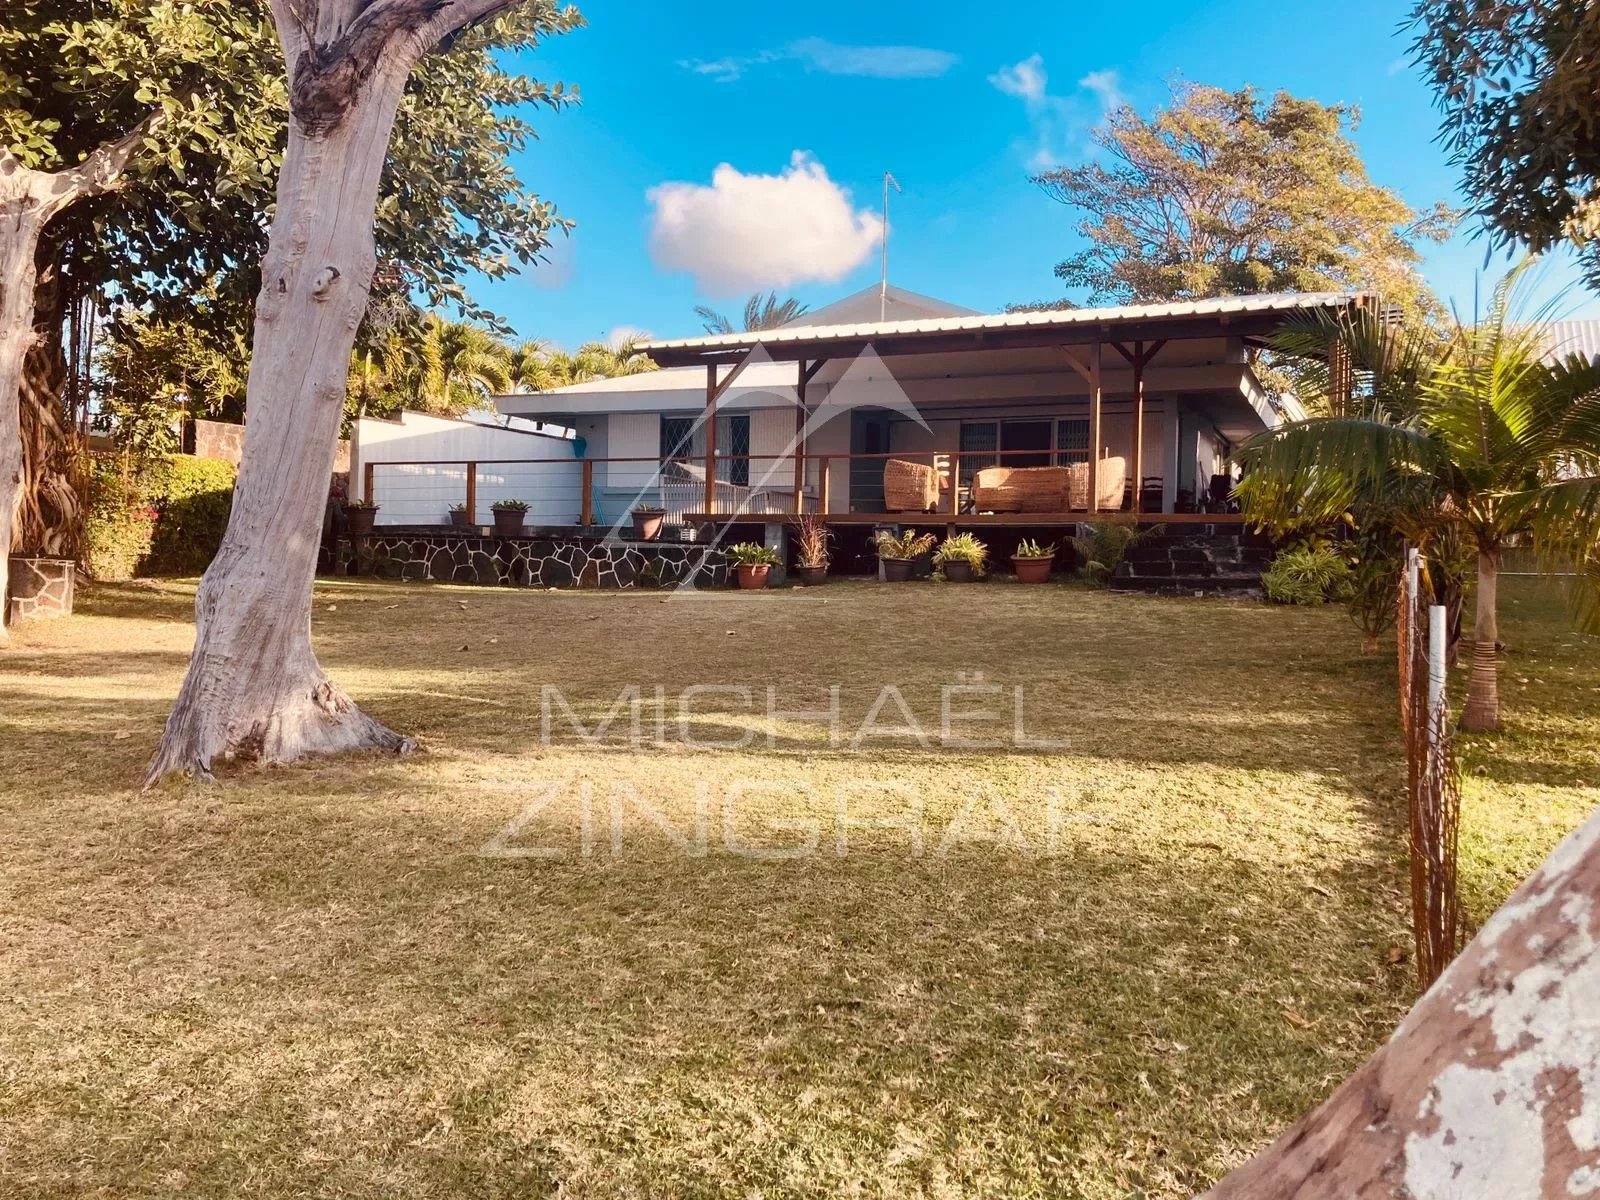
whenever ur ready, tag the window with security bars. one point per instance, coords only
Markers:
(1072, 440)
(733, 441)
(677, 437)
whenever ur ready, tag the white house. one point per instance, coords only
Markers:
(808, 417)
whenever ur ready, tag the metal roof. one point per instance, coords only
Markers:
(678, 349)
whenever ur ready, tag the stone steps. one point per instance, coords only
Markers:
(1211, 560)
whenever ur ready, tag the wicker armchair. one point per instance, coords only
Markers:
(1113, 485)
(1021, 489)
(909, 486)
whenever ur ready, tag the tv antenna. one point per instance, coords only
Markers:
(883, 282)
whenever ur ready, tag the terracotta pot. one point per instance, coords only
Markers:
(752, 576)
(811, 576)
(1032, 570)
(897, 570)
(460, 520)
(958, 571)
(359, 521)
(508, 522)
(647, 525)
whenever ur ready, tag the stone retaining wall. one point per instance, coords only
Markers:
(39, 587)
(533, 561)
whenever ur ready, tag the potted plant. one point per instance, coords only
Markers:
(1032, 561)
(359, 515)
(459, 517)
(811, 551)
(647, 519)
(752, 563)
(899, 554)
(508, 517)
(962, 558)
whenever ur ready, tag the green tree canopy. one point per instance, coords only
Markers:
(192, 222)
(1224, 193)
(1517, 83)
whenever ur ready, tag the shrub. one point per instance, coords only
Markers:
(1028, 548)
(1312, 576)
(120, 523)
(194, 502)
(516, 506)
(1104, 544)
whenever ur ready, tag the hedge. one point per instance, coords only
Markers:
(166, 520)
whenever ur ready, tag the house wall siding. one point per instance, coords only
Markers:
(422, 495)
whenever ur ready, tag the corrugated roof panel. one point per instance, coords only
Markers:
(1064, 319)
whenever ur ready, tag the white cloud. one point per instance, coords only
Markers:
(832, 58)
(1059, 125)
(1026, 80)
(1104, 85)
(761, 231)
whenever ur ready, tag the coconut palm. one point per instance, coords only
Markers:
(760, 312)
(537, 367)
(1464, 433)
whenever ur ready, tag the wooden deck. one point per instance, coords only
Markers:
(1030, 520)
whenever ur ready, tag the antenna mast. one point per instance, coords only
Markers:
(883, 282)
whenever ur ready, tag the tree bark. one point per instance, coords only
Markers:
(20, 224)
(1490, 1088)
(29, 199)
(254, 689)
(1482, 712)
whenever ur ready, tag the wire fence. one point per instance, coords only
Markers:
(1432, 777)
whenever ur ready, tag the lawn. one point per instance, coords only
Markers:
(506, 965)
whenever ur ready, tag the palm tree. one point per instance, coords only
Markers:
(473, 365)
(760, 312)
(1465, 433)
(538, 367)
(432, 365)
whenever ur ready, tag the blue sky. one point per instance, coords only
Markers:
(952, 105)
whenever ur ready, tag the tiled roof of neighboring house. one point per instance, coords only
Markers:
(1064, 319)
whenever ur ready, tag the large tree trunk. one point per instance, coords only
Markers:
(20, 224)
(51, 518)
(1482, 711)
(254, 689)
(29, 199)
(1490, 1088)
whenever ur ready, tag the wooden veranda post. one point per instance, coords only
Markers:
(472, 493)
(1094, 428)
(800, 438)
(1138, 427)
(711, 438)
(586, 513)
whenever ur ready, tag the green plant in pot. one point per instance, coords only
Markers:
(647, 521)
(1101, 546)
(509, 516)
(752, 563)
(811, 551)
(1032, 561)
(460, 518)
(360, 513)
(962, 558)
(899, 553)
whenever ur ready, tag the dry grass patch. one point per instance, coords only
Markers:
(1134, 960)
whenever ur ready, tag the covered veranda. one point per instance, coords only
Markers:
(1027, 419)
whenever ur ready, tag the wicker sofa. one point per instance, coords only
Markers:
(909, 486)
(1048, 489)
(1021, 489)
